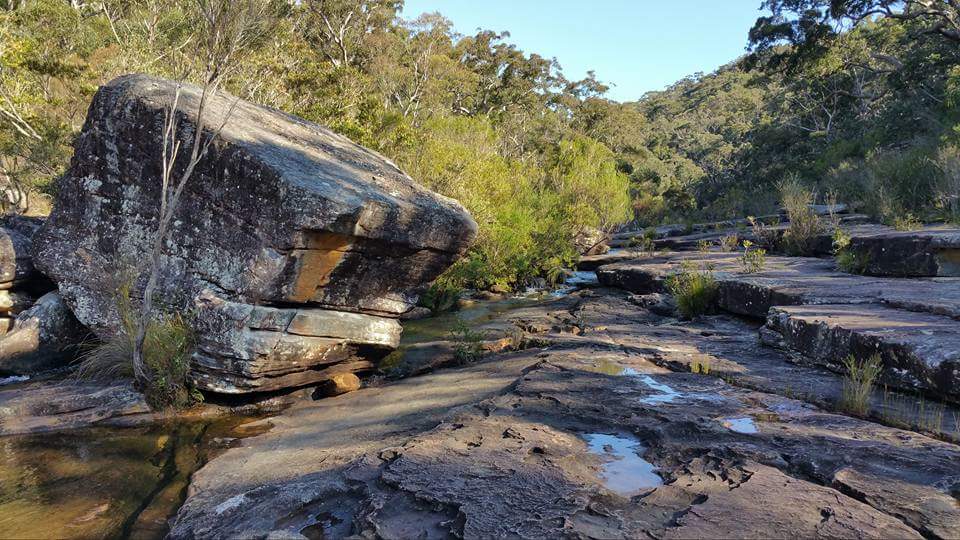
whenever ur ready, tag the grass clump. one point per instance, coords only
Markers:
(805, 225)
(700, 365)
(907, 222)
(729, 242)
(167, 349)
(852, 262)
(858, 383)
(468, 343)
(695, 291)
(752, 260)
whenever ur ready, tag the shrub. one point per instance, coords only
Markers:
(852, 262)
(729, 242)
(468, 343)
(804, 225)
(695, 291)
(948, 189)
(907, 222)
(440, 296)
(761, 233)
(841, 240)
(167, 349)
(752, 260)
(858, 383)
(703, 246)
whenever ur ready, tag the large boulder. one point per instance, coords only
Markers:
(44, 336)
(281, 214)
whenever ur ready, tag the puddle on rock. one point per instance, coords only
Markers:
(14, 379)
(103, 482)
(665, 395)
(624, 471)
(740, 425)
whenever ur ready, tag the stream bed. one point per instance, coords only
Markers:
(106, 482)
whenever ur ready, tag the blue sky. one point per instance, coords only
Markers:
(638, 45)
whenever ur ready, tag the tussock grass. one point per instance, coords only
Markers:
(167, 349)
(694, 290)
(805, 225)
(858, 383)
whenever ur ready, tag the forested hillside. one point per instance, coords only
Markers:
(472, 117)
(866, 116)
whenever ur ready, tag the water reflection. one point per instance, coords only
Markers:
(624, 471)
(101, 482)
(740, 425)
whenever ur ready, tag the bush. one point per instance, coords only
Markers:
(907, 222)
(852, 262)
(805, 225)
(528, 212)
(694, 290)
(859, 382)
(752, 260)
(729, 242)
(167, 349)
(948, 190)
(440, 296)
(468, 344)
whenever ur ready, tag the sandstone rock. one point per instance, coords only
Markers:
(68, 405)
(416, 314)
(16, 264)
(786, 281)
(245, 348)
(592, 262)
(918, 350)
(933, 251)
(281, 212)
(841, 313)
(591, 241)
(41, 338)
(14, 302)
(338, 384)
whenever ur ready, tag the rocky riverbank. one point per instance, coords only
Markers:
(600, 429)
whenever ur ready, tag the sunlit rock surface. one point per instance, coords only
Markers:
(281, 213)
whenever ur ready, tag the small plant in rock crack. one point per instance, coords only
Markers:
(700, 365)
(703, 246)
(694, 290)
(468, 343)
(852, 262)
(729, 242)
(753, 258)
(858, 383)
(907, 222)
(841, 240)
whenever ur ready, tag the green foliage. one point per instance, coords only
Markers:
(440, 297)
(729, 242)
(695, 290)
(753, 259)
(167, 350)
(907, 222)
(805, 225)
(841, 240)
(852, 262)
(700, 365)
(867, 117)
(468, 343)
(858, 383)
(534, 156)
